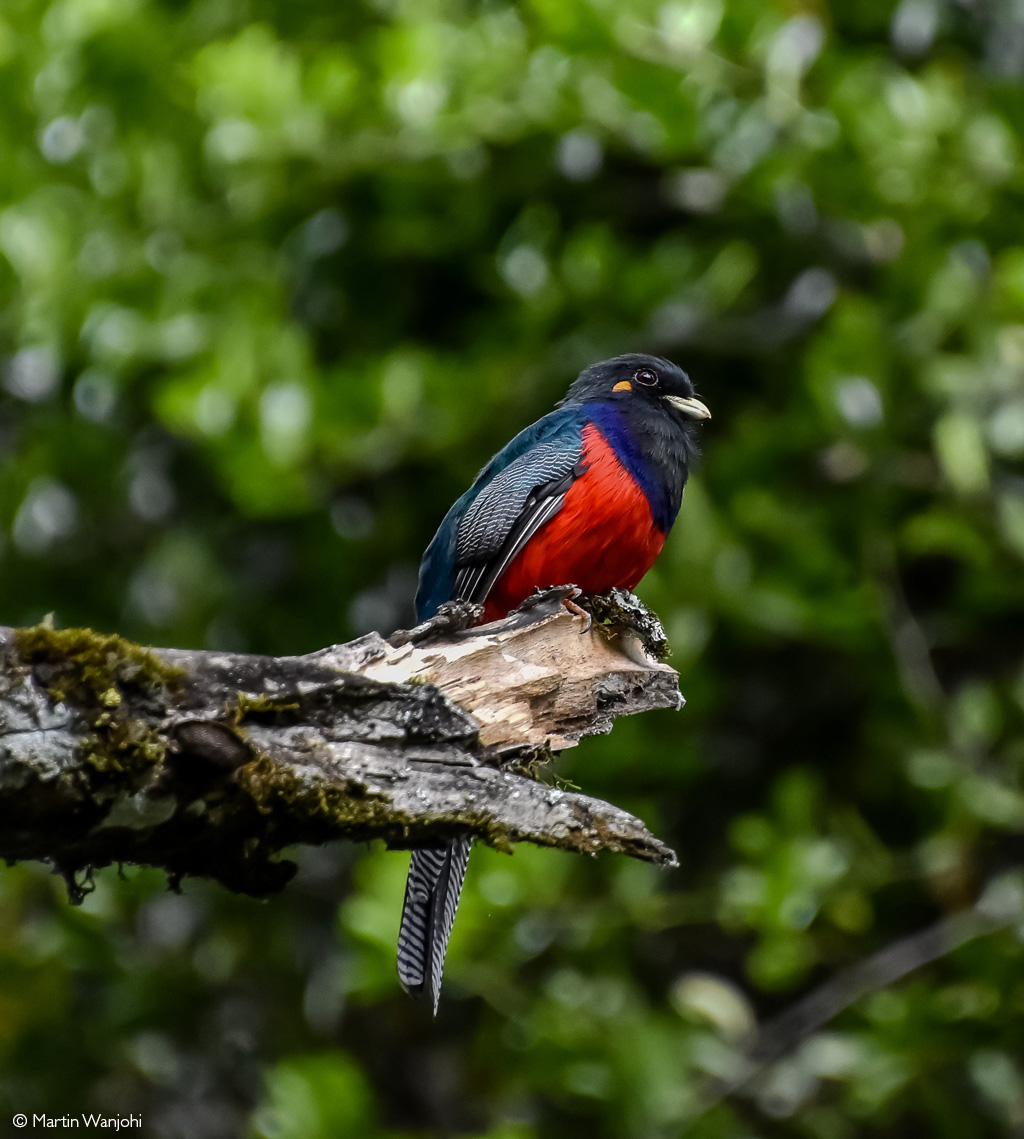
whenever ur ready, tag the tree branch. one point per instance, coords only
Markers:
(999, 906)
(209, 763)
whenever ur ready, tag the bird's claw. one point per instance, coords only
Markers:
(579, 611)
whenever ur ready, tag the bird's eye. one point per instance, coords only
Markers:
(646, 377)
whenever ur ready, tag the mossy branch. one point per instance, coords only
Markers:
(209, 763)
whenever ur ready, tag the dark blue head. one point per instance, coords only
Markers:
(640, 385)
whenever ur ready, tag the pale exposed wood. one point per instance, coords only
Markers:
(552, 682)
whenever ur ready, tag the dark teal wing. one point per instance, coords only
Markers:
(511, 498)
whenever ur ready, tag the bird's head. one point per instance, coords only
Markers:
(636, 377)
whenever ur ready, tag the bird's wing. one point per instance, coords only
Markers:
(511, 498)
(510, 509)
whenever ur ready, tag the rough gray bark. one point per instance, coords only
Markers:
(208, 763)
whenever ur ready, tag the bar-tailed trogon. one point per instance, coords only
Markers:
(586, 495)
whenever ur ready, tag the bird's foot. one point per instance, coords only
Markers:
(579, 611)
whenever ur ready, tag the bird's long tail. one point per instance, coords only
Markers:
(432, 895)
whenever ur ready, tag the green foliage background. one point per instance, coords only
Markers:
(276, 278)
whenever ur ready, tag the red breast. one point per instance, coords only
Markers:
(602, 537)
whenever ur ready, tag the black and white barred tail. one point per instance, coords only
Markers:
(432, 895)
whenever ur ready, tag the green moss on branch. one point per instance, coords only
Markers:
(104, 677)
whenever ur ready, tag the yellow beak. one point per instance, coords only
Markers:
(691, 407)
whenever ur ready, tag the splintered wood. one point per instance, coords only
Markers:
(552, 682)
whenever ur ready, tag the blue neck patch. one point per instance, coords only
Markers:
(612, 424)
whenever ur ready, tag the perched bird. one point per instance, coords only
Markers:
(586, 495)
